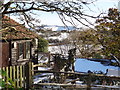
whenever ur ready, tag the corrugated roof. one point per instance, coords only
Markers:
(13, 30)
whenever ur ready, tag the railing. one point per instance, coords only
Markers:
(88, 78)
(18, 76)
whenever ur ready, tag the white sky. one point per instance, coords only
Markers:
(98, 7)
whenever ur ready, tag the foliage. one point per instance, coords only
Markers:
(42, 45)
(3, 83)
(103, 41)
(108, 33)
(86, 43)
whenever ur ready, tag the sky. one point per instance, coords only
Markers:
(98, 7)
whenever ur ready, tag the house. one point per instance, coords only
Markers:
(17, 43)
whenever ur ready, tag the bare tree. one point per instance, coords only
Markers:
(74, 9)
(85, 42)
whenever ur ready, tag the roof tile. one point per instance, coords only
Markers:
(13, 30)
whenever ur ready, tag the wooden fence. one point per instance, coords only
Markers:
(18, 76)
(89, 79)
(21, 77)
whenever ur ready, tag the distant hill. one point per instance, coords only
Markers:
(58, 28)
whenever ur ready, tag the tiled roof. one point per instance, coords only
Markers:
(13, 30)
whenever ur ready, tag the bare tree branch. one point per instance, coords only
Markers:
(71, 9)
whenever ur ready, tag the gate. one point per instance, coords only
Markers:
(17, 76)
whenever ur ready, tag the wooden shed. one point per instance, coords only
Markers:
(16, 43)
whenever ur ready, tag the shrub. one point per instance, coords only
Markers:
(42, 45)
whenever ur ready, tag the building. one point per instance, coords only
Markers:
(17, 43)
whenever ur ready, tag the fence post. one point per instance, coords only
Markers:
(17, 71)
(24, 78)
(89, 82)
(21, 74)
(14, 75)
(7, 76)
(28, 74)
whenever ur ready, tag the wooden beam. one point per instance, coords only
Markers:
(75, 86)
(39, 65)
(72, 81)
(51, 71)
(76, 73)
(57, 84)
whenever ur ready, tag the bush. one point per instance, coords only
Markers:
(42, 45)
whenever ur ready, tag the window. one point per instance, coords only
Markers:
(27, 49)
(20, 50)
(24, 50)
